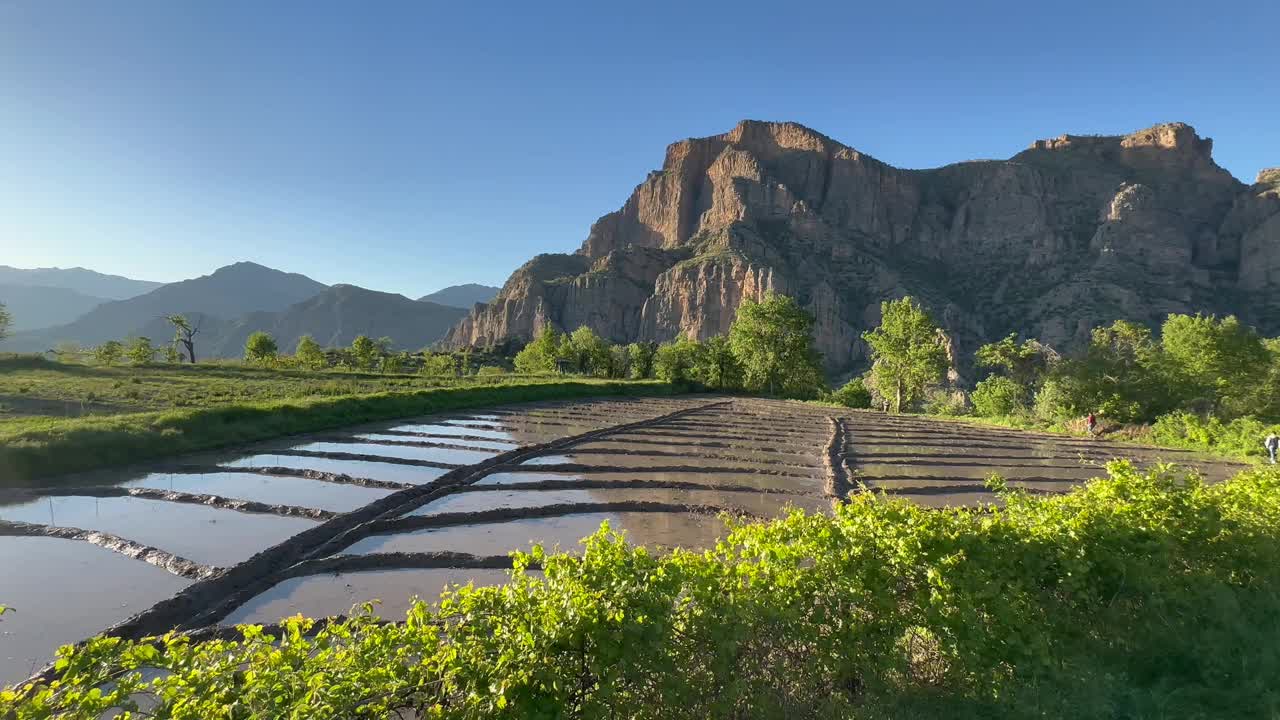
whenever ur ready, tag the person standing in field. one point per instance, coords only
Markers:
(1091, 422)
(1272, 444)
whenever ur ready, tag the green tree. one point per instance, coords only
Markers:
(465, 365)
(772, 341)
(907, 352)
(589, 352)
(308, 353)
(395, 363)
(184, 333)
(108, 353)
(715, 365)
(997, 396)
(853, 394)
(261, 348)
(6, 321)
(171, 354)
(673, 362)
(364, 352)
(1121, 375)
(540, 355)
(640, 360)
(619, 361)
(1214, 365)
(439, 364)
(141, 351)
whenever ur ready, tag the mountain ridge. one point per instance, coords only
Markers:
(1070, 233)
(77, 279)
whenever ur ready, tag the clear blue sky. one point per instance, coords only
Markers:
(408, 146)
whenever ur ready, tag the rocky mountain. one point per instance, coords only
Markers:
(40, 306)
(78, 280)
(227, 293)
(462, 296)
(1071, 233)
(337, 315)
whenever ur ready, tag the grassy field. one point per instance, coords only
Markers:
(57, 418)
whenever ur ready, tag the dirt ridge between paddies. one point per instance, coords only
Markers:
(37, 453)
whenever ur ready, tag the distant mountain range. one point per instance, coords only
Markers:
(228, 304)
(462, 296)
(79, 280)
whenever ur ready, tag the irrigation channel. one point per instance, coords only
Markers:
(397, 510)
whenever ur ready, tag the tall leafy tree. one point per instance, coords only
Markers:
(308, 353)
(141, 351)
(715, 366)
(907, 352)
(540, 355)
(640, 360)
(1218, 364)
(673, 362)
(184, 333)
(772, 341)
(364, 352)
(261, 348)
(589, 352)
(6, 321)
(108, 353)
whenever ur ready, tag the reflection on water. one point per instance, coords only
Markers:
(203, 534)
(64, 591)
(355, 468)
(269, 489)
(760, 504)
(442, 429)
(499, 445)
(329, 595)
(406, 452)
(686, 530)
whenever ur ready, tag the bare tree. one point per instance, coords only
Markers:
(185, 333)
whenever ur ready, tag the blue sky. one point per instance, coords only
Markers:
(408, 146)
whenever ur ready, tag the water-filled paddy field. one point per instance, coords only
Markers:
(388, 512)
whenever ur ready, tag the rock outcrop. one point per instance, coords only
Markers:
(1069, 234)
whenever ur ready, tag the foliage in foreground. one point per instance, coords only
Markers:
(1136, 596)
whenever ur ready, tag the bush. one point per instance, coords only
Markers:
(490, 371)
(1137, 596)
(945, 401)
(853, 394)
(1241, 436)
(997, 396)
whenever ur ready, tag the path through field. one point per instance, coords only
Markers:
(388, 512)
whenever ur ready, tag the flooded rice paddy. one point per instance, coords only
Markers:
(389, 512)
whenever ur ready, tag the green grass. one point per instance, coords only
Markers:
(135, 414)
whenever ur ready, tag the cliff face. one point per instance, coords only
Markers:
(1071, 233)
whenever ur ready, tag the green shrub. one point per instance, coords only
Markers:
(853, 394)
(1053, 401)
(997, 396)
(1136, 596)
(1240, 437)
(944, 401)
(490, 371)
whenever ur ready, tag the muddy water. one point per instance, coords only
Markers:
(657, 529)
(708, 480)
(760, 504)
(392, 591)
(442, 429)
(266, 488)
(643, 461)
(202, 534)
(65, 591)
(498, 445)
(355, 468)
(405, 452)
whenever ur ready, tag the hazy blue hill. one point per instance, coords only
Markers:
(77, 279)
(39, 306)
(227, 293)
(337, 315)
(462, 296)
